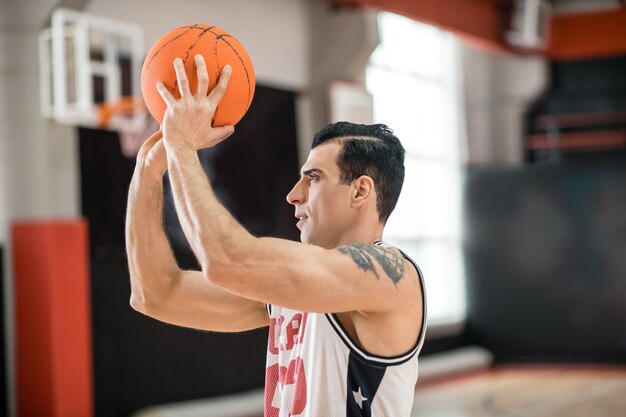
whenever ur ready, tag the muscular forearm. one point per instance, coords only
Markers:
(215, 236)
(151, 262)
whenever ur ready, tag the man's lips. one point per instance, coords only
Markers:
(301, 221)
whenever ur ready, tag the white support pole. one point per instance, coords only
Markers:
(58, 63)
(83, 75)
(113, 90)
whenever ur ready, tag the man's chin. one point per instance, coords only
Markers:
(305, 238)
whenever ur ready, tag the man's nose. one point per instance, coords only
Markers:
(296, 195)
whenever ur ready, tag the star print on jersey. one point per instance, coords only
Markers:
(359, 398)
(363, 382)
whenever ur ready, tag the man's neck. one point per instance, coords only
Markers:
(367, 236)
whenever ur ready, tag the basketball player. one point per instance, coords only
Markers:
(346, 311)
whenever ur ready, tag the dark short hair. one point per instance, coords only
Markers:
(371, 150)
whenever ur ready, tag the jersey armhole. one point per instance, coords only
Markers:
(386, 360)
(372, 359)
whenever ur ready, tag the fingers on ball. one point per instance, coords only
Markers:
(181, 77)
(165, 94)
(220, 89)
(203, 76)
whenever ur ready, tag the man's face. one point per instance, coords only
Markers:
(323, 204)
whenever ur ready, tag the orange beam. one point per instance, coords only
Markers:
(476, 21)
(53, 319)
(481, 22)
(587, 35)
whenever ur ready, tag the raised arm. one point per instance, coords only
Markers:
(353, 278)
(158, 287)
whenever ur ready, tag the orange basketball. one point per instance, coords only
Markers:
(218, 48)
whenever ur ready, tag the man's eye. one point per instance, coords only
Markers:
(312, 178)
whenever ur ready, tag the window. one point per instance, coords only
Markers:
(414, 78)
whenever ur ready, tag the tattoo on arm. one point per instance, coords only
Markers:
(364, 256)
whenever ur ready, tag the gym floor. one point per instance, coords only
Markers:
(542, 391)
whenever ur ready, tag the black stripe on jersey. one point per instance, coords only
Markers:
(269, 309)
(370, 358)
(362, 384)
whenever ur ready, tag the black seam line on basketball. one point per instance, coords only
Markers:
(204, 31)
(221, 38)
(244, 68)
(199, 26)
(193, 45)
(209, 29)
(190, 28)
(167, 43)
(217, 37)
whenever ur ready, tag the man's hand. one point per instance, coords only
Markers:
(188, 120)
(152, 154)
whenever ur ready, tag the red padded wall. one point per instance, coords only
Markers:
(53, 319)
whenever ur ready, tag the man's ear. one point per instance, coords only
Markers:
(362, 190)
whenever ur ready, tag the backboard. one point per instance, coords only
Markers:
(86, 62)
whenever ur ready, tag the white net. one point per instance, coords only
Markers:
(133, 127)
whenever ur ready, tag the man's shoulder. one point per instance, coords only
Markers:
(415, 267)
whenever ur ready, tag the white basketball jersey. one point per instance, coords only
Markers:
(314, 369)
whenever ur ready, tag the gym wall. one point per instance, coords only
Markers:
(545, 261)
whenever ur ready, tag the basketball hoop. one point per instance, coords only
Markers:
(130, 118)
